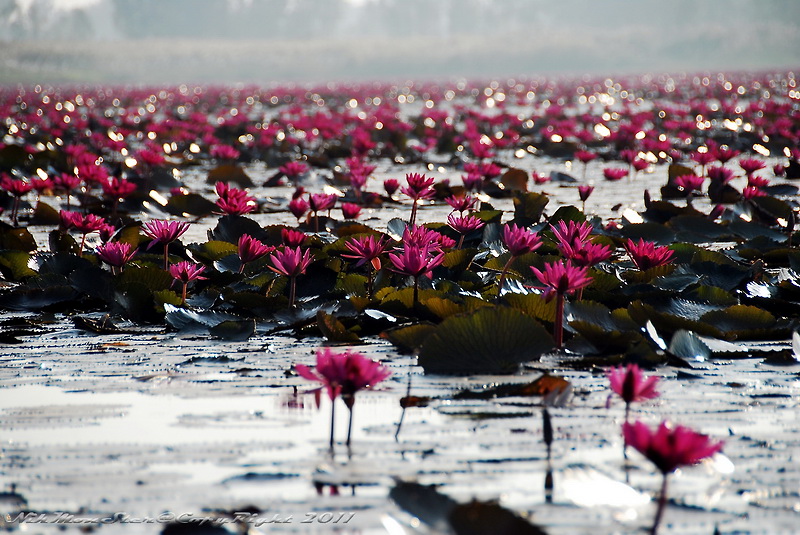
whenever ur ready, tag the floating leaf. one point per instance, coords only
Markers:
(191, 204)
(515, 179)
(44, 214)
(150, 277)
(654, 232)
(489, 518)
(15, 265)
(230, 173)
(212, 250)
(409, 338)
(425, 503)
(234, 331)
(334, 330)
(38, 299)
(543, 386)
(17, 239)
(740, 321)
(566, 214)
(395, 228)
(489, 340)
(529, 207)
(533, 305)
(231, 227)
(687, 345)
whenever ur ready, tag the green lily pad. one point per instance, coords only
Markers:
(490, 340)
(529, 207)
(15, 265)
(409, 338)
(334, 330)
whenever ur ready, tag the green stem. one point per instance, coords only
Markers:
(503, 275)
(333, 422)
(558, 326)
(662, 504)
(350, 426)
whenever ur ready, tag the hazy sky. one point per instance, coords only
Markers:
(319, 40)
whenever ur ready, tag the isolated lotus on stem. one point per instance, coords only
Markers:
(419, 187)
(250, 249)
(560, 279)
(186, 272)
(343, 374)
(166, 232)
(646, 255)
(116, 254)
(291, 262)
(668, 448)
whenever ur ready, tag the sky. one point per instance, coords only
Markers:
(171, 41)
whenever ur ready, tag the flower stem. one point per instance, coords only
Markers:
(662, 503)
(413, 214)
(183, 293)
(291, 291)
(416, 292)
(558, 326)
(461, 241)
(349, 426)
(503, 275)
(333, 422)
(166, 256)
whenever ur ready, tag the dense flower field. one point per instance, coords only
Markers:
(98, 207)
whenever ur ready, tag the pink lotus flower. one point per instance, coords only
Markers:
(166, 232)
(234, 201)
(720, 174)
(291, 262)
(640, 165)
(419, 187)
(420, 236)
(631, 385)
(320, 202)
(464, 225)
(560, 279)
(224, 152)
(540, 178)
(584, 192)
(585, 156)
(343, 374)
(118, 188)
(350, 210)
(646, 255)
(668, 449)
(292, 238)
(571, 234)
(586, 253)
(724, 154)
(704, 158)
(416, 261)
(293, 170)
(83, 224)
(115, 254)
(391, 185)
(751, 192)
(461, 203)
(298, 207)
(186, 272)
(366, 249)
(614, 174)
(751, 165)
(473, 182)
(250, 249)
(520, 241)
(757, 181)
(689, 183)
(18, 189)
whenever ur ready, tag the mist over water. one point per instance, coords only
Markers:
(156, 41)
